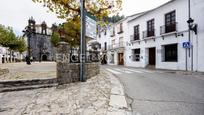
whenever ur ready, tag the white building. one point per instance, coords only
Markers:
(113, 40)
(156, 38)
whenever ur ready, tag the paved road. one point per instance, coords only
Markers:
(161, 93)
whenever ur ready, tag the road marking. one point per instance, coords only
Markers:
(147, 71)
(122, 70)
(113, 71)
(133, 70)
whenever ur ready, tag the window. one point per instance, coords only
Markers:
(112, 58)
(113, 32)
(170, 22)
(136, 54)
(150, 28)
(105, 32)
(136, 33)
(113, 43)
(121, 42)
(120, 28)
(171, 53)
(105, 46)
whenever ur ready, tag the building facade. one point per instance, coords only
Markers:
(40, 47)
(160, 38)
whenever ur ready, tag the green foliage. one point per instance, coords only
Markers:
(72, 32)
(70, 9)
(21, 45)
(55, 38)
(9, 39)
(116, 18)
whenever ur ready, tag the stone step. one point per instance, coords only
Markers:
(20, 88)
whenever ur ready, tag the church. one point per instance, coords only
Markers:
(39, 43)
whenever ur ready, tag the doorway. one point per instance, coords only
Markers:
(152, 56)
(120, 59)
(44, 58)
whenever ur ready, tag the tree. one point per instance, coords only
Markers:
(55, 38)
(72, 32)
(70, 9)
(10, 40)
(21, 45)
(116, 18)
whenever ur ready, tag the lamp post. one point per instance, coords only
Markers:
(191, 27)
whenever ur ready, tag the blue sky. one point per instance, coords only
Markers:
(15, 13)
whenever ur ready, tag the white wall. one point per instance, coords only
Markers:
(181, 8)
(197, 9)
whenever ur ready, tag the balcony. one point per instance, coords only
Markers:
(120, 31)
(135, 37)
(116, 46)
(171, 28)
(112, 35)
(148, 34)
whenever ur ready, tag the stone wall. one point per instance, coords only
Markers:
(70, 72)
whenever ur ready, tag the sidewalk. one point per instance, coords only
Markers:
(100, 95)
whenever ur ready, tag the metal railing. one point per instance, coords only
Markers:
(148, 33)
(135, 37)
(168, 28)
(115, 46)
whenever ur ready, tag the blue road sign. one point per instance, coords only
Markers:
(186, 45)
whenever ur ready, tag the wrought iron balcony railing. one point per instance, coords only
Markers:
(115, 46)
(135, 37)
(168, 28)
(148, 33)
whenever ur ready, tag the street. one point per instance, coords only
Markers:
(157, 92)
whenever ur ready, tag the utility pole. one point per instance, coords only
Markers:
(82, 43)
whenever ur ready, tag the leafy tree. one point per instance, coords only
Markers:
(72, 32)
(21, 45)
(55, 38)
(10, 40)
(116, 18)
(70, 9)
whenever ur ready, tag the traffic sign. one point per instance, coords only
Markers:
(90, 26)
(186, 45)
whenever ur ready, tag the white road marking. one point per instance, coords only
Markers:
(147, 71)
(133, 70)
(123, 70)
(113, 71)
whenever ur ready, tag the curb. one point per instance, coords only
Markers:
(118, 104)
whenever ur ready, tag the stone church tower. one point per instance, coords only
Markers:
(39, 44)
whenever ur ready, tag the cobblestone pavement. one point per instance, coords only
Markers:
(34, 71)
(88, 98)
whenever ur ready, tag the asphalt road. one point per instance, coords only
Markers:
(153, 92)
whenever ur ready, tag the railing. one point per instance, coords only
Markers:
(168, 28)
(135, 37)
(148, 33)
(112, 35)
(91, 56)
(121, 31)
(115, 46)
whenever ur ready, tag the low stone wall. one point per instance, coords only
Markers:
(3, 71)
(70, 72)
